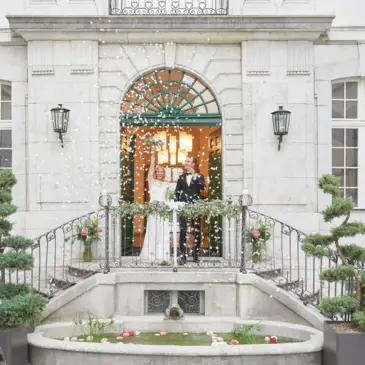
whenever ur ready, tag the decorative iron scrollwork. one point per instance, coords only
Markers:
(168, 7)
(189, 301)
(291, 285)
(308, 298)
(158, 301)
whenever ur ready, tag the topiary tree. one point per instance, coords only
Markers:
(18, 304)
(351, 257)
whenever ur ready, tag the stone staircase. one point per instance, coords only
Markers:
(295, 287)
(59, 265)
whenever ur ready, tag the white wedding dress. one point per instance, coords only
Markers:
(156, 245)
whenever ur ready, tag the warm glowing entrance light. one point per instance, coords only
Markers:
(186, 142)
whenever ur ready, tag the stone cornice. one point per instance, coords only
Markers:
(242, 27)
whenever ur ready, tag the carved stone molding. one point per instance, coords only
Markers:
(361, 47)
(41, 58)
(254, 2)
(296, 2)
(82, 57)
(257, 58)
(299, 57)
(42, 2)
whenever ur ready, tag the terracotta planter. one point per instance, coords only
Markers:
(342, 348)
(14, 346)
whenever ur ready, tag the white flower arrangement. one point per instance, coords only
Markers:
(154, 141)
(201, 208)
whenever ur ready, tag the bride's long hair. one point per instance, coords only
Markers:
(155, 172)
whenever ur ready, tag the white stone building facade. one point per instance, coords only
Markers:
(307, 55)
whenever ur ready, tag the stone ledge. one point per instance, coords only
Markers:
(171, 22)
(305, 27)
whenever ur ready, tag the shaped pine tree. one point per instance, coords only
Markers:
(18, 305)
(350, 256)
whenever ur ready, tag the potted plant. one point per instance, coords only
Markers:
(344, 342)
(257, 238)
(88, 232)
(19, 307)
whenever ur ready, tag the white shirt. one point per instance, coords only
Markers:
(188, 179)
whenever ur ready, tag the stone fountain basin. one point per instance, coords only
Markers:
(46, 349)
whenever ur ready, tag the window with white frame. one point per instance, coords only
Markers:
(345, 100)
(345, 146)
(5, 126)
(348, 138)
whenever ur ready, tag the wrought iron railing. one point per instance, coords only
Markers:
(168, 7)
(59, 263)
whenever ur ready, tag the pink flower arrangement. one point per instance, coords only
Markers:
(257, 238)
(256, 234)
(88, 231)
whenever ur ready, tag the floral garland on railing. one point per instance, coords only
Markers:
(201, 208)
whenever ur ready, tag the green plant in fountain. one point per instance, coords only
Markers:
(88, 232)
(93, 326)
(18, 305)
(351, 257)
(247, 334)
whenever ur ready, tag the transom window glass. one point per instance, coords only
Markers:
(169, 94)
(5, 102)
(345, 100)
(345, 164)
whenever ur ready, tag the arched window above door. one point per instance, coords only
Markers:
(170, 94)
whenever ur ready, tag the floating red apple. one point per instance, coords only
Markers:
(273, 339)
(131, 333)
(234, 342)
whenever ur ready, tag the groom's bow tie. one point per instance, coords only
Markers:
(188, 173)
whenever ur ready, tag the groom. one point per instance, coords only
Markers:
(188, 188)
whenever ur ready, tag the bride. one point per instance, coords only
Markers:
(156, 245)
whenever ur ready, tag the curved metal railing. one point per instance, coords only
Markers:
(58, 259)
(292, 269)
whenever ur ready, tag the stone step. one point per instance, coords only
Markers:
(269, 274)
(291, 285)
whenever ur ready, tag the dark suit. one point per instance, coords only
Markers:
(189, 194)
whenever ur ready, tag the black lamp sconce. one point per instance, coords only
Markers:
(60, 118)
(281, 123)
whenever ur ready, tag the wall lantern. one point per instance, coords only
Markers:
(281, 121)
(60, 117)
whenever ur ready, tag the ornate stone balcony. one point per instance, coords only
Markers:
(168, 7)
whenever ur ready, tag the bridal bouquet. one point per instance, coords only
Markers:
(154, 141)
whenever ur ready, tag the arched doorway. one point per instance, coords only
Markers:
(183, 111)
